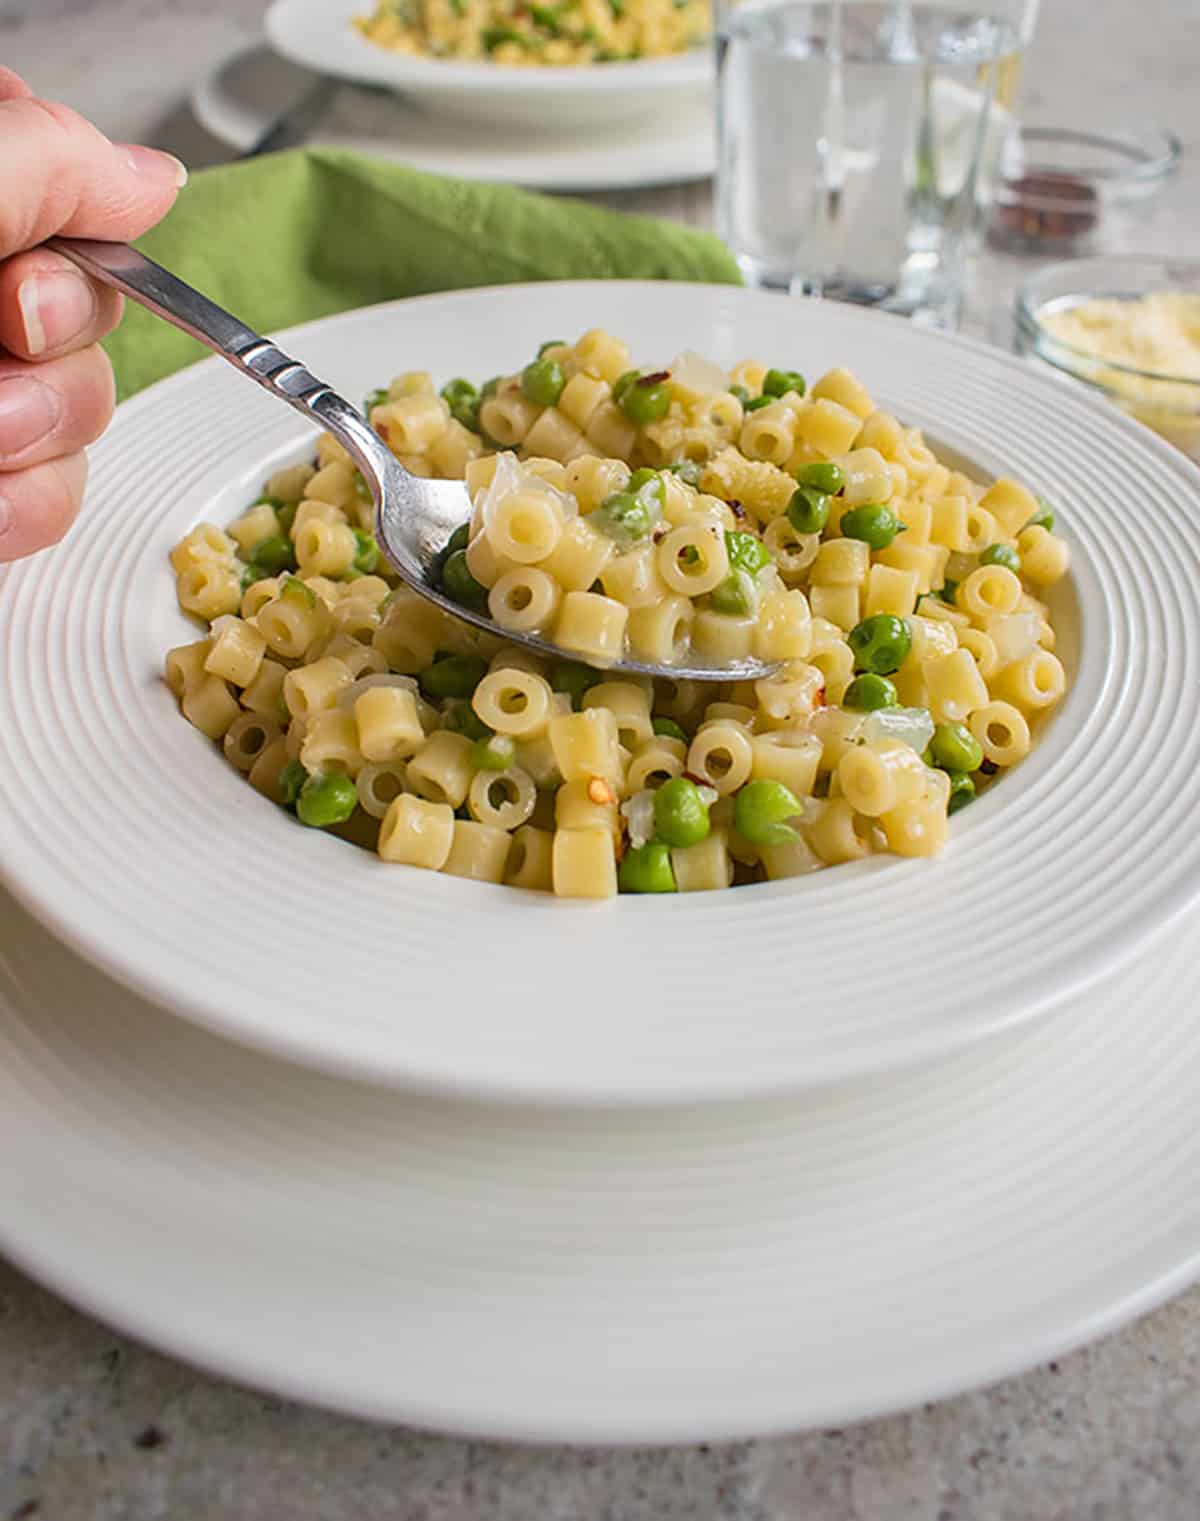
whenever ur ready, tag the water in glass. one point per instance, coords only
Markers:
(854, 138)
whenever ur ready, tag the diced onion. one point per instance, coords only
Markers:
(692, 372)
(638, 812)
(912, 725)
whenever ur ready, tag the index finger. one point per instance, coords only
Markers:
(62, 175)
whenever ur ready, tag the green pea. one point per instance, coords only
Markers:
(551, 343)
(459, 539)
(1043, 517)
(736, 595)
(455, 391)
(624, 517)
(948, 591)
(496, 753)
(274, 555)
(574, 678)
(374, 399)
(780, 382)
(646, 401)
(326, 799)
(367, 558)
(741, 393)
(954, 748)
(688, 470)
(756, 402)
(291, 779)
(1002, 554)
(493, 37)
(873, 524)
(275, 502)
(286, 514)
(294, 590)
(680, 813)
(647, 870)
(251, 574)
(622, 384)
(880, 643)
(648, 487)
(542, 382)
(466, 412)
(761, 811)
(489, 387)
(455, 676)
(746, 551)
(808, 510)
(546, 16)
(868, 692)
(459, 584)
(461, 718)
(824, 476)
(668, 729)
(962, 792)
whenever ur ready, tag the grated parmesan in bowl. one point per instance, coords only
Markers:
(1129, 328)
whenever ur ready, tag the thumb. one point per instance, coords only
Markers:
(62, 175)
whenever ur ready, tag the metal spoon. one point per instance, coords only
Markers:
(413, 517)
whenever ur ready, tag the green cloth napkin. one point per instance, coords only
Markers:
(297, 235)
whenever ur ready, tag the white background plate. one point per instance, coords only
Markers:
(685, 1276)
(319, 34)
(127, 832)
(241, 99)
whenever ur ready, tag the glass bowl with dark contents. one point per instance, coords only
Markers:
(1067, 191)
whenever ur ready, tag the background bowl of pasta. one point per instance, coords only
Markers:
(129, 833)
(501, 80)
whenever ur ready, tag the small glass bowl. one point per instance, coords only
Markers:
(1065, 191)
(1168, 403)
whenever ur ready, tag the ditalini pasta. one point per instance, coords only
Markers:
(616, 510)
(524, 36)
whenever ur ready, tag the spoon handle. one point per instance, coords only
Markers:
(176, 302)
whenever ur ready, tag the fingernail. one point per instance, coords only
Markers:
(28, 411)
(55, 306)
(156, 165)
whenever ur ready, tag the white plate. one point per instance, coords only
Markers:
(682, 1276)
(241, 99)
(319, 34)
(128, 833)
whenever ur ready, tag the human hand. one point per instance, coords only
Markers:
(60, 175)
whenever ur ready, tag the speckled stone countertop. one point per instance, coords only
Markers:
(95, 1428)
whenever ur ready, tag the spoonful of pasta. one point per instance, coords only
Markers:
(613, 588)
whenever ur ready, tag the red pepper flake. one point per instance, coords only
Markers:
(819, 698)
(600, 792)
(655, 378)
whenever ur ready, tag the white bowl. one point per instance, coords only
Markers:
(129, 835)
(560, 100)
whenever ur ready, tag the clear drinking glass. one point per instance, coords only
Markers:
(857, 141)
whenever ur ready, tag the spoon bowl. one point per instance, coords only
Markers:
(413, 516)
